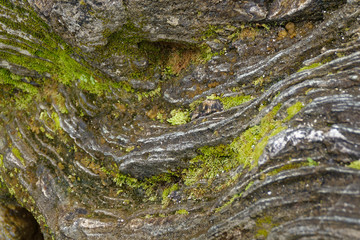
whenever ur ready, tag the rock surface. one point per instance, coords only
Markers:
(98, 138)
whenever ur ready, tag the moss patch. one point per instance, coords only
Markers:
(35, 48)
(17, 154)
(355, 164)
(314, 65)
(229, 102)
(293, 110)
(311, 162)
(179, 117)
(182, 212)
(165, 195)
(264, 225)
(286, 167)
(244, 150)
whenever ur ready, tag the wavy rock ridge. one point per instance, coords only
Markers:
(97, 141)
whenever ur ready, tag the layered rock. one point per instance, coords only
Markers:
(97, 139)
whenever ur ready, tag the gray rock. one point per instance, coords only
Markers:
(87, 148)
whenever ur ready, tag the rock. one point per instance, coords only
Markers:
(17, 222)
(87, 148)
(309, 9)
(207, 107)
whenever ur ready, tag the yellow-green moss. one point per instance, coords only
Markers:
(314, 65)
(211, 161)
(293, 110)
(206, 53)
(165, 195)
(179, 117)
(56, 119)
(17, 154)
(311, 162)
(151, 94)
(182, 212)
(128, 185)
(229, 102)
(286, 167)
(49, 56)
(244, 150)
(264, 225)
(355, 164)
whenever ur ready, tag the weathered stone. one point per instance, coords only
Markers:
(299, 9)
(16, 222)
(90, 140)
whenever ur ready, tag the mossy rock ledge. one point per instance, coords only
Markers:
(180, 119)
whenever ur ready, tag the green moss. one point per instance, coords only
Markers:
(210, 32)
(49, 55)
(314, 65)
(151, 94)
(259, 81)
(160, 117)
(165, 195)
(125, 182)
(179, 117)
(17, 154)
(168, 73)
(206, 53)
(244, 150)
(130, 148)
(355, 164)
(264, 225)
(249, 185)
(286, 167)
(211, 161)
(124, 40)
(250, 144)
(182, 212)
(1, 161)
(311, 162)
(293, 110)
(129, 185)
(56, 119)
(238, 195)
(244, 33)
(229, 102)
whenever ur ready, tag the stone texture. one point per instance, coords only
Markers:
(85, 144)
